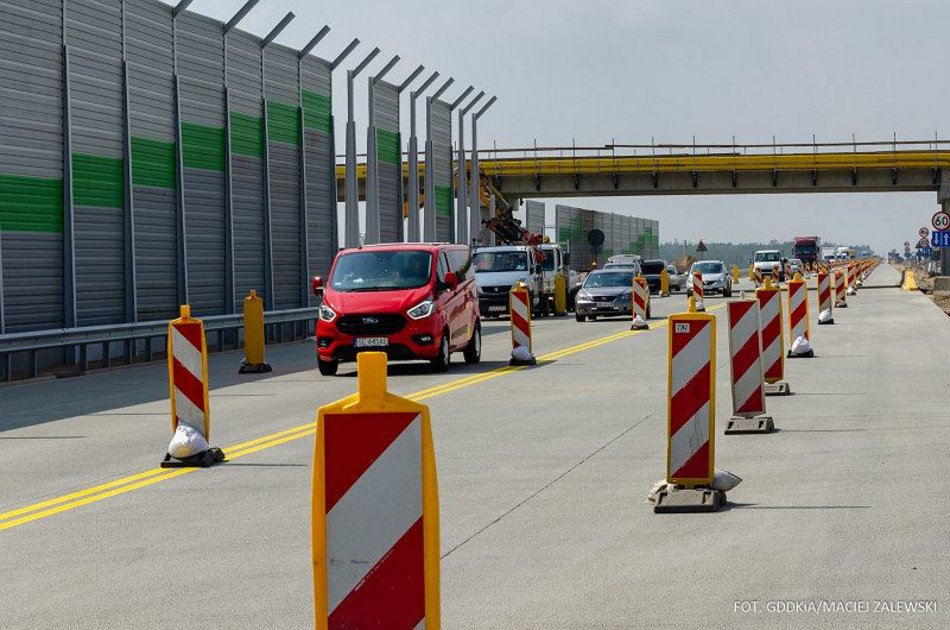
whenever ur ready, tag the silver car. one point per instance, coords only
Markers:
(716, 278)
(605, 292)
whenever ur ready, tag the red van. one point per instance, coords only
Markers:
(409, 300)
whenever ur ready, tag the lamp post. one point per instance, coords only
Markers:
(461, 220)
(351, 214)
(475, 216)
(414, 223)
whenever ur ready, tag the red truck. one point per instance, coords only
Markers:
(806, 248)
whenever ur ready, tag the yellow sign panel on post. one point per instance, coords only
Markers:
(375, 509)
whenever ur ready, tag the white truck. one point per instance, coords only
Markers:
(766, 259)
(500, 267)
(827, 253)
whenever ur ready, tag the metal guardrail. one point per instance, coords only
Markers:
(79, 339)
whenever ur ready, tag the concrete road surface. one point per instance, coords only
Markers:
(543, 476)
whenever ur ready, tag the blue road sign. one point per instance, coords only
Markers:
(940, 239)
(925, 252)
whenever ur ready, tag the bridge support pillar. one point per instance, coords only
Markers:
(943, 198)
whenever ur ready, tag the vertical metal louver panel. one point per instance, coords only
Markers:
(638, 236)
(150, 57)
(201, 83)
(285, 225)
(655, 252)
(247, 165)
(441, 189)
(320, 166)
(384, 162)
(534, 216)
(282, 92)
(31, 160)
(94, 38)
(204, 224)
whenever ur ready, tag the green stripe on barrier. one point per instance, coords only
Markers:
(387, 147)
(247, 135)
(153, 163)
(31, 204)
(283, 123)
(202, 146)
(98, 181)
(317, 112)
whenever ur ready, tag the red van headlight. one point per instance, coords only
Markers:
(422, 309)
(326, 313)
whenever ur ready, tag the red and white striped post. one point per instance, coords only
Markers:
(641, 302)
(841, 294)
(745, 369)
(824, 298)
(852, 279)
(691, 414)
(519, 301)
(776, 273)
(798, 324)
(697, 290)
(757, 275)
(188, 387)
(773, 339)
(374, 509)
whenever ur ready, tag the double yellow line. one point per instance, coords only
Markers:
(66, 502)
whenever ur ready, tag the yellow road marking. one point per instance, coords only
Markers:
(147, 478)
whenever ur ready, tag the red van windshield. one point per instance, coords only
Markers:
(381, 270)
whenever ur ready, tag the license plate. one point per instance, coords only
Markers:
(371, 342)
(494, 309)
(606, 308)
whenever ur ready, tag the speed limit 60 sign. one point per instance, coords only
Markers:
(940, 221)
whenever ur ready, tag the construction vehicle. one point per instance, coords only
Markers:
(520, 256)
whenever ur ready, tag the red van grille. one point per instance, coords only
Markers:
(371, 324)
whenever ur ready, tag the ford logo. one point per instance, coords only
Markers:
(370, 320)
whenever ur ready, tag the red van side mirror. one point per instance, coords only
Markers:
(316, 286)
(451, 280)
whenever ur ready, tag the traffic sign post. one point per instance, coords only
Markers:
(940, 221)
(940, 239)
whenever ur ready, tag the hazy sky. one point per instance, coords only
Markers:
(596, 70)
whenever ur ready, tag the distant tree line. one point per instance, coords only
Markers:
(732, 253)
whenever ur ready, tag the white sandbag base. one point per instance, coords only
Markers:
(522, 356)
(825, 317)
(639, 323)
(801, 349)
(189, 448)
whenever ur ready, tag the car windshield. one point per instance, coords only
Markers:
(766, 257)
(501, 261)
(549, 259)
(652, 267)
(381, 270)
(609, 279)
(708, 267)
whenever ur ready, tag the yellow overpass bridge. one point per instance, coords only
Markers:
(619, 170)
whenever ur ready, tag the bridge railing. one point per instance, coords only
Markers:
(657, 158)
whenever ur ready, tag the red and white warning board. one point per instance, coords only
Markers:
(520, 308)
(773, 340)
(188, 373)
(745, 358)
(798, 324)
(375, 509)
(691, 408)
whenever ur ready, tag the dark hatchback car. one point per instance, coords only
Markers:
(651, 273)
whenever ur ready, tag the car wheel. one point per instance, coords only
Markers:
(327, 368)
(580, 318)
(442, 361)
(473, 351)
